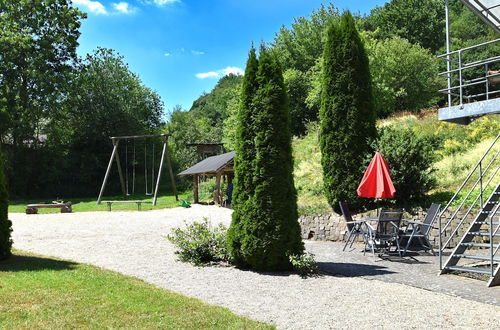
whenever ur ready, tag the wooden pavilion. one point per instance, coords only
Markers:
(216, 166)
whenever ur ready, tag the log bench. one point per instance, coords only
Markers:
(33, 208)
(139, 203)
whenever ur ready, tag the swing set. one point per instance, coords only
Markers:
(148, 174)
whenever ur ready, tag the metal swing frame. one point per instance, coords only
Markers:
(114, 156)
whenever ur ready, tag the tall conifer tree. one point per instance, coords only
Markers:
(245, 154)
(5, 224)
(347, 114)
(269, 230)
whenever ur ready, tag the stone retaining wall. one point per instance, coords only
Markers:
(332, 227)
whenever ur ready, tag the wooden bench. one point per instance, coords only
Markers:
(139, 203)
(33, 208)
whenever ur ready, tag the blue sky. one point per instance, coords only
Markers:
(180, 48)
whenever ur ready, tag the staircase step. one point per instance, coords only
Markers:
(470, 269)
(480, 233)
(486, 245)
(475, 257)
(490, 212)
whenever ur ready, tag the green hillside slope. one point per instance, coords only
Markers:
(456, 150)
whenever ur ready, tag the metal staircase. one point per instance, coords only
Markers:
(477, 250)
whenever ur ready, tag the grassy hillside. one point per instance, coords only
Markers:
(456, 150)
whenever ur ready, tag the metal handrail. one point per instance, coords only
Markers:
(492, 253)
(483, 173)
(471, 173)
(470, 47)
(478, 181)
(468, 210)
(461, 85)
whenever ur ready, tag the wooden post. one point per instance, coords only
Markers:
(217, 188)
(172, 178)
(115, 147)
(155, 197)
(195, 189)
(122, 181)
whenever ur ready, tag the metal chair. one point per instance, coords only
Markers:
(386, 232)
(354, 228)
(421, 230)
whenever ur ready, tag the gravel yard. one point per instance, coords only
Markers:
(133, 243)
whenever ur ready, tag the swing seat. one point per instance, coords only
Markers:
(185, 203)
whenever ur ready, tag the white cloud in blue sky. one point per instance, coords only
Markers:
(220, 73)
(96, 7)
(124, 8)
(92, 6)
(164, 2)
(197, 52)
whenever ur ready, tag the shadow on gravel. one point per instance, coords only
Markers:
(21, 263)
(352, 270)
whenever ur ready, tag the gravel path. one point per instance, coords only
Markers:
(133, 243)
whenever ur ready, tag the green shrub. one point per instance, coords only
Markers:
(410, 160)
(199, 243)
(5, 224)
(304, 264)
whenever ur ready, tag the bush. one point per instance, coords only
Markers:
(304, 264)
(199, 243)
(410, 160)
(5, 224)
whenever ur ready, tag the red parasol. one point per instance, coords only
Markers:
(377, 181)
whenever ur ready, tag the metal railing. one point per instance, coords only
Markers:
(492, 236)
(472, 81)
(470, 194)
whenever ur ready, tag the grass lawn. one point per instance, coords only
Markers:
(90, 204)
(39, 292)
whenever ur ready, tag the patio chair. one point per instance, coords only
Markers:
(386, 232)
(353, 228)
(421, 230)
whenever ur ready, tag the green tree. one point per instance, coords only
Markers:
(106, 99)
(419, 21)
(5, 224)
(298, 86)
(38, 40)
(269, 232)
(405, 76)
(347, 114)
(300, 46)
(243, 163)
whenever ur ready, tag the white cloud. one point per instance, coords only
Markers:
(93, 6)
(197, 52)
(164, 2)
(220, 73)
(123, 7)
(211, 74)
(233, 70)
(167, 54)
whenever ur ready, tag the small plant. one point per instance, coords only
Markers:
(199, 243)
(304, 264)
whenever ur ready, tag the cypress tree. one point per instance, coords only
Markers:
(270, 232)
(5, 224)
(245, 154)
(347, 113)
